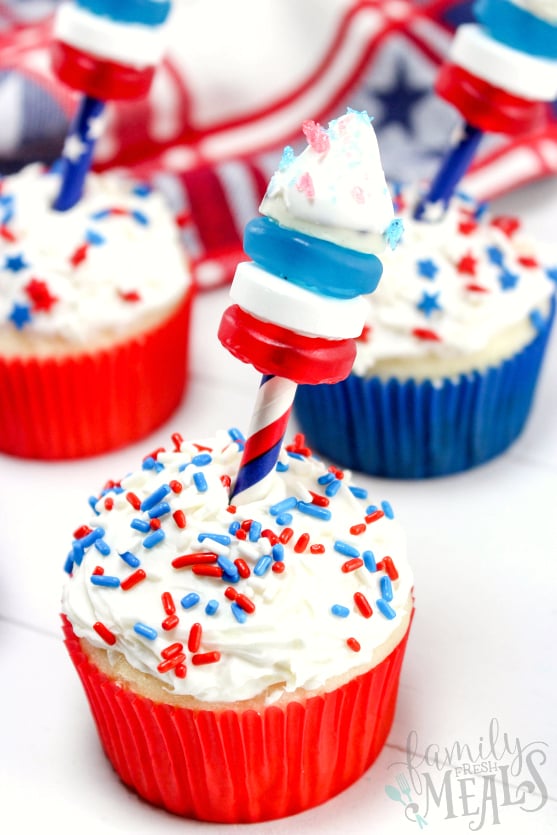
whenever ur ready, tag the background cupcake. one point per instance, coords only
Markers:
(448, 363)
(241, 663)
(94, 315)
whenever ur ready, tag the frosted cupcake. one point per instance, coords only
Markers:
(94, 316)
(241, 663)
(448, 362)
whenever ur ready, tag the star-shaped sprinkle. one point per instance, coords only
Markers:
(427, 268)
(74, 148)
(95, 127)
(15, 263)
(508, 280)
(20, 315)
(39, 295)
(467, 264)
(495, 255)
(508, 225)
(429, 303)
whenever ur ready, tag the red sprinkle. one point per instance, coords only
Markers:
(171, 622)
(82, 531)
(426, 334)
(155, 453)
(302, 543)
(194, 559)
(278, 567)
(175, 486)
(230, 593)
(270, 535)
(105, 633)
(155, 524)
(171, 663)
(362, 603)
(180, 518)
(246, 604)
(205, 658)
(194, 638)
(231, 508)
(207, 570)
(168, 603)
(352, 565)
(286, 535)
(321, 501)
(373, 517)
(98, 570)
(133, 500)
(467, 264)
(135, 578)
(246, 525)
(172, 650)
(317, 548)
(241, 534)
(129, 295)
(202, 448)
(79, 255)
(476, 288)
(357, 529)
(180, 671)
(182, 219)
(177, 440)
(7, 234)
(466, 227)
(353, 644)
(506, 224)
(390, 568)
(336, 472)
(379, 566)
(243, 568)
(225, 480)
(528, 261)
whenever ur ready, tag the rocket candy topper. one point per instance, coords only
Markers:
(500, 73)
(327, 214)
(106, 49)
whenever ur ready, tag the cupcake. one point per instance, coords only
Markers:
(241, 662)
(94, 315)
(447, 365)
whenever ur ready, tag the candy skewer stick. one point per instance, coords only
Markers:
(78, 152)
(266, 433)
(500, 73)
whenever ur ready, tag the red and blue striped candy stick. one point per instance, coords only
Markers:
(105, 49)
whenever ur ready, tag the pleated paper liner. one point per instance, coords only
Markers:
(94, 402)
(242, 765)
(419, 430)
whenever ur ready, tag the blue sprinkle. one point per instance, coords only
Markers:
(150, 463)
(286, 158)
(385, 609)
(495, 255)
(227, 565)
(92, 503)
(182, 467)
(158, 510)
(90, 538)
(223, 538)
(105, 580)
(202, 459)
(101, 215)
(326, 479)
(314, 510)
(369, 561)
(140, 525)
(155, 497)
(281, 468)
(130, 559)
(211, 607)
(284, 519)
(262, 565)
(153, 538)
(386, 588)
(200, 482)
(551, 273)
(254, 531)
(537, 320)
(371, 508)
(359, 492)
(69, 564)
(189, 600)
(102, 547)
(231, 576)
(277, 552)
(394, 232)
(146, 631)
(78, 553)
(94, 238)
(333, 488)
(296, 455)
(387, 510)
(236, 435)
(142, 190)
(285, 504)
(140, 217)
(238, 613)
(340, 611)
(234, 527)
(346, 549)
(508, 280)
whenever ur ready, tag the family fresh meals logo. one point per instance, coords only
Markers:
(481, 781)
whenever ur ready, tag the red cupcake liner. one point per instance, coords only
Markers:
(73, 407)
(244, 765)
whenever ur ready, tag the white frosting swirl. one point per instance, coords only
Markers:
(335, 189)
(102, 266)
(461, 292)
(292, 639)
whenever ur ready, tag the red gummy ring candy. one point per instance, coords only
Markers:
(272, 349)
(487, 107)
(97, 77)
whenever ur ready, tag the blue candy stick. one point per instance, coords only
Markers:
(78, 152)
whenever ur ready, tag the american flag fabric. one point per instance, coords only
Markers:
(237, 82)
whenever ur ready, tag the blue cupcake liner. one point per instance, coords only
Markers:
(420, 430)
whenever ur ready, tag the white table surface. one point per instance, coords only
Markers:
(484, 548)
